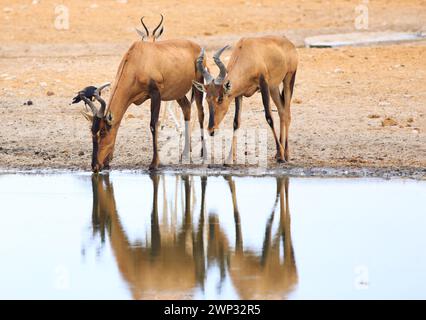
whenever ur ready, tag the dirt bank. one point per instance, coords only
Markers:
(353, 107)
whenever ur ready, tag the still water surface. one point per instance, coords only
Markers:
(135, 236)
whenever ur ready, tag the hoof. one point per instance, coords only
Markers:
(154, 165)
(280, 156)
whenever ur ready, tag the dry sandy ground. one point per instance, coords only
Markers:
(353, 107)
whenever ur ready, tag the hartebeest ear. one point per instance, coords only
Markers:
(141, 34)
(109, 118)
(87, 116)
(227, 86)
(158, 34)
(199, 86)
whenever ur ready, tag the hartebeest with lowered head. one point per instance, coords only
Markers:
(256, 64)
(156, 70)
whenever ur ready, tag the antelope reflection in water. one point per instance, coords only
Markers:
(175, 261)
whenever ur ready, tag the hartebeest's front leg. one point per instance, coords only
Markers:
(155, 112)
(200, 110)
(186, 109)
(264, 90)
(237, 122)
(237, 218)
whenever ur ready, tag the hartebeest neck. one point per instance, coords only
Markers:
(122, 94)
(241, 81)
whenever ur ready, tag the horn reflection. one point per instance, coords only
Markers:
(175, 260)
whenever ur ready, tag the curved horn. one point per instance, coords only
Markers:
(207, 76)
(158, 27)
(146, 29)
(96, 112)
(101, 111)
(219, 63)
(97, 96)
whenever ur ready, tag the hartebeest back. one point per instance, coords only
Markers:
(256, 64)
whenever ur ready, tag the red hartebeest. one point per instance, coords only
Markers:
(256, 64)
(156, 70)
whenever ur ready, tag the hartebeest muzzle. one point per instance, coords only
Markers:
(211, 121)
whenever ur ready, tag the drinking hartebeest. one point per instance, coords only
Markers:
(256, 64)
(156, 70)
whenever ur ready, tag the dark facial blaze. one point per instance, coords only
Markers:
(99, 130)
(95, 141)
(215, 96)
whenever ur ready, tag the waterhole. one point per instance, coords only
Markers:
(137, 236)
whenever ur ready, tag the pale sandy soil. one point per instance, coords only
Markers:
(342, 96)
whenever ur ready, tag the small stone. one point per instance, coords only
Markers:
(297, 101)
(389, 122)
(373, 116)
(81, 153)
(50, 93)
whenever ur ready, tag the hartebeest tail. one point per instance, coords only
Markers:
(256, 64)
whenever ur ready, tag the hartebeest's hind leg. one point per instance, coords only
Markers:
(286, 98)
(264, 90)
(282, 101)
(237, 122)
(186, 109)
(155, 112)
(279, 103)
